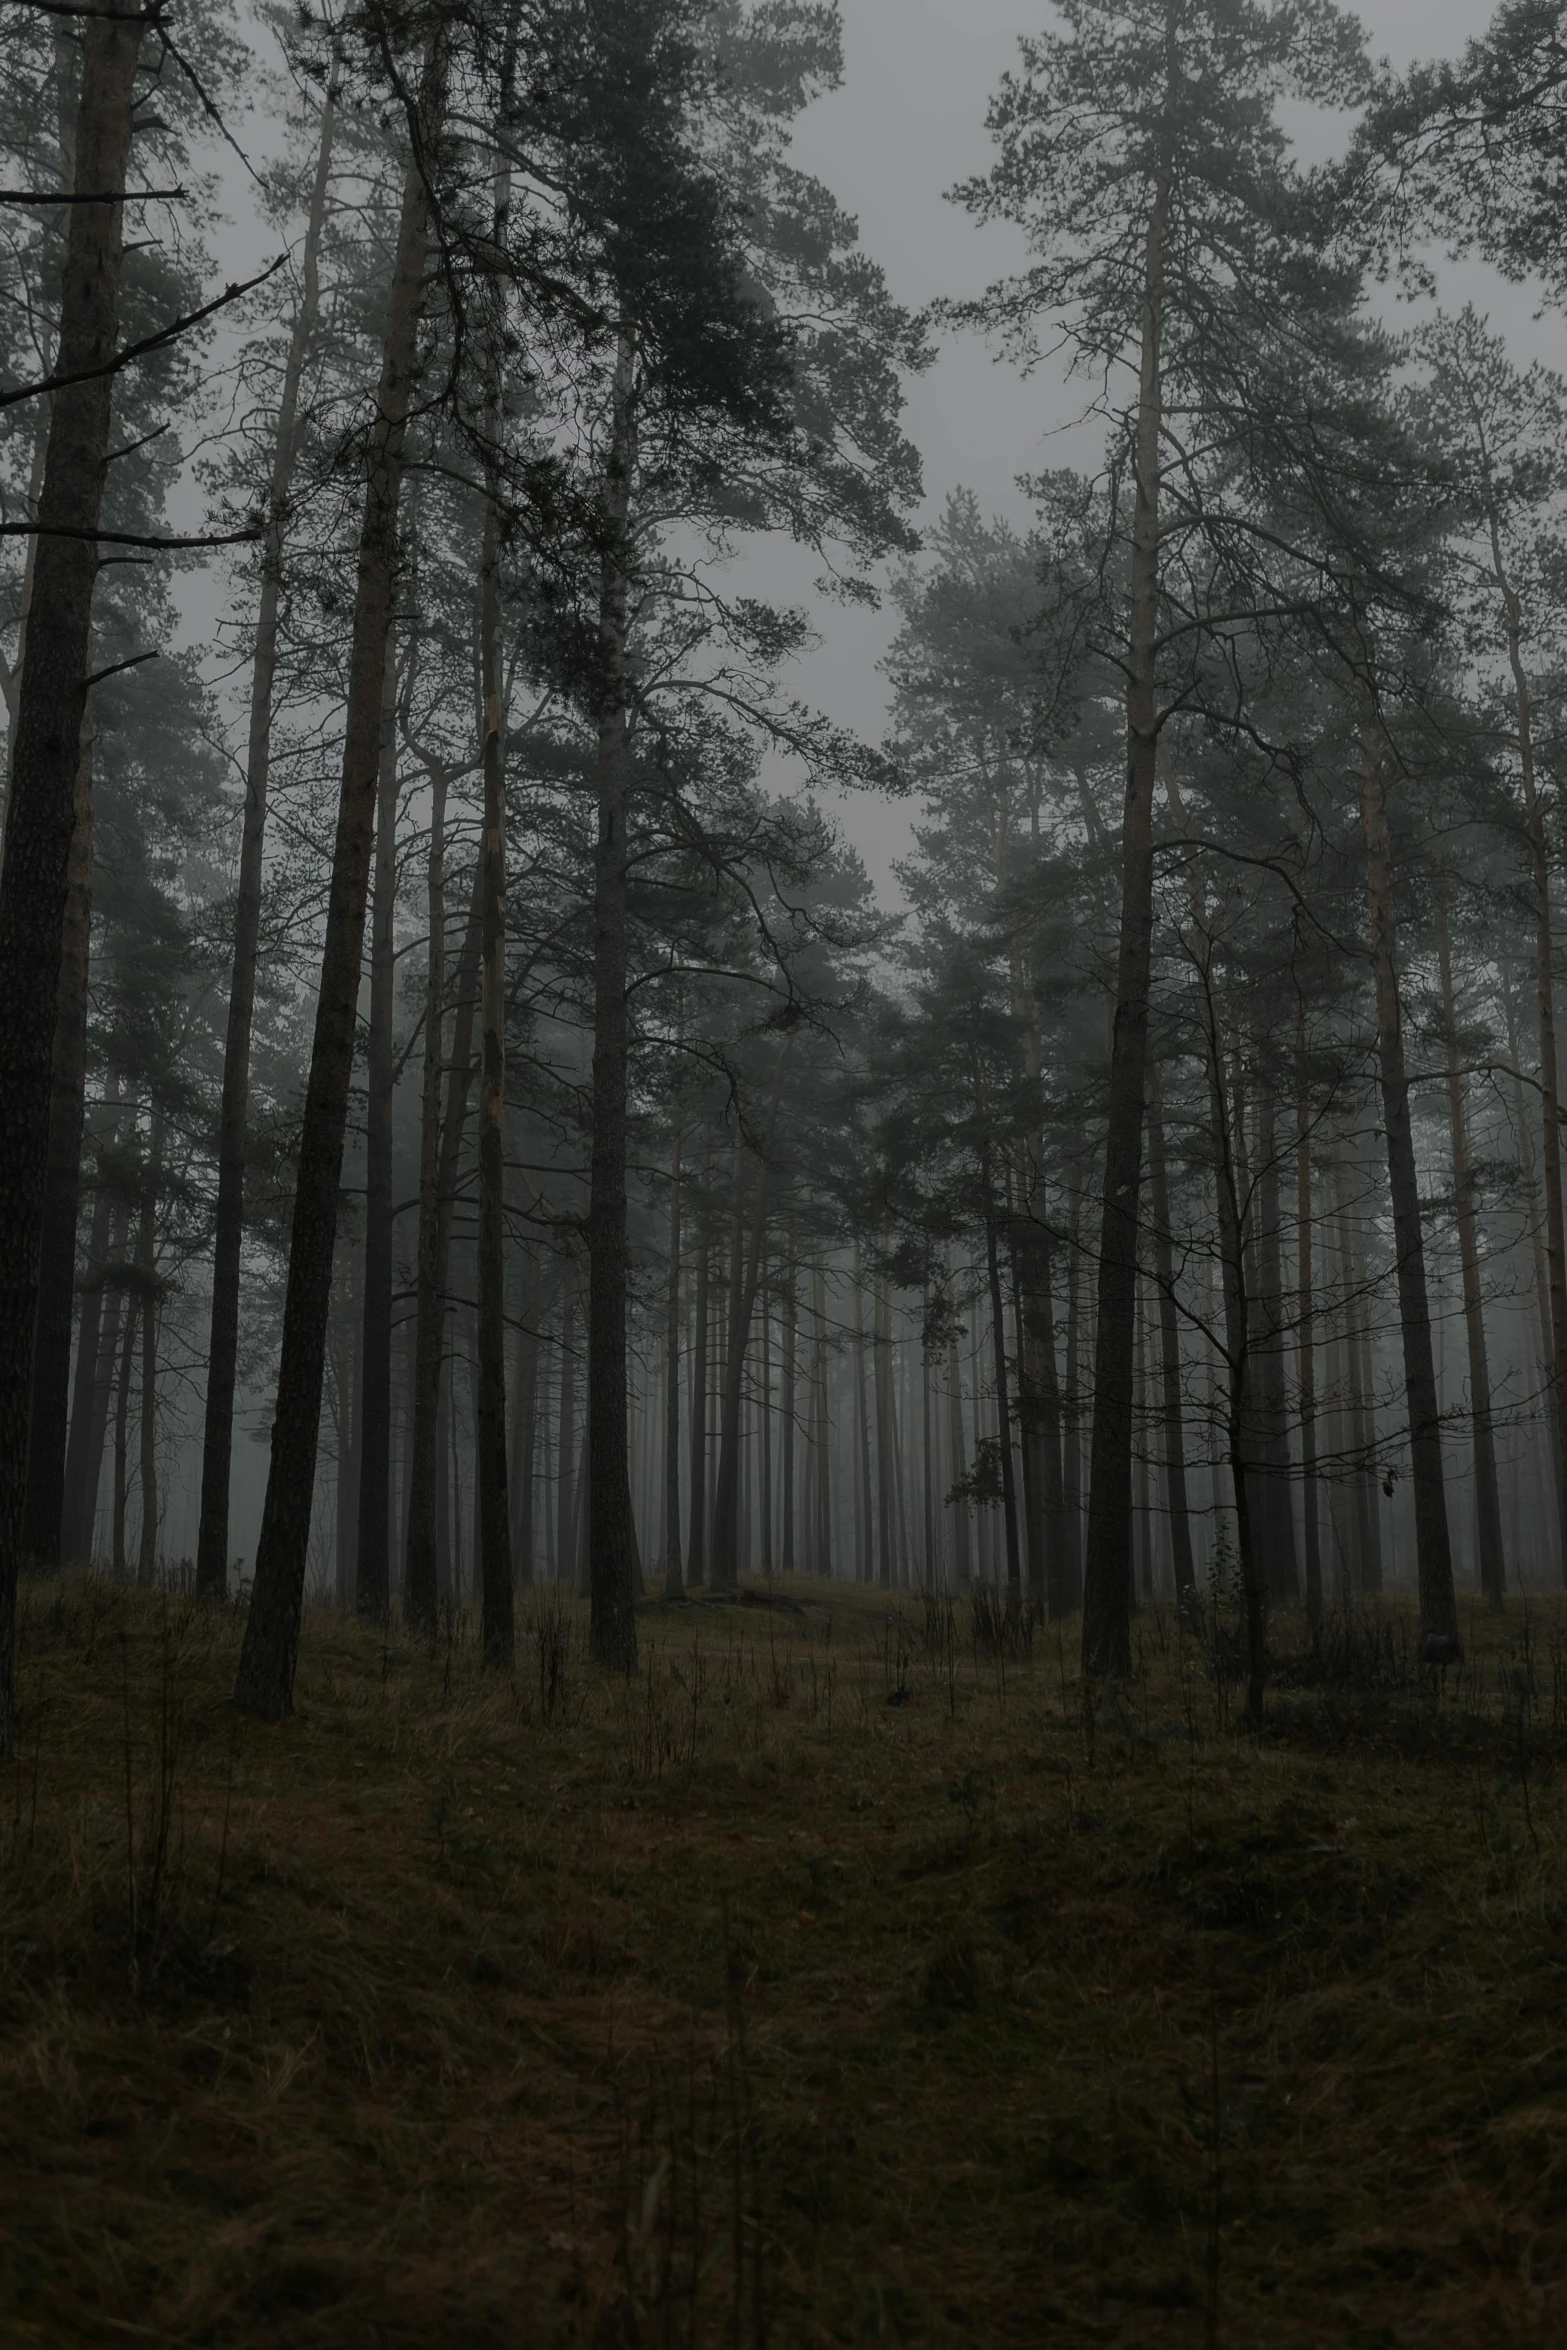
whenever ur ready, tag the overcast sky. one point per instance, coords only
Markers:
(907, 123)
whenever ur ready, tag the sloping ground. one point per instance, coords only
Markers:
(816, 1986)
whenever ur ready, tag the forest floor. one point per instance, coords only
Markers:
(835, 1980)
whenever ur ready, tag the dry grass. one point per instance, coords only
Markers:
(835, 1980)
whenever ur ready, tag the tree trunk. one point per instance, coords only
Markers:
(1173, 1414)
(674, 1585)
(1072, 1435)
(147, 1269)
(80, 1505)
(724, 1517)
(264, 1683)
(373, 1420)
(1557, 1479)
(525, 1424)
(822, 1530)
(122, 1422)
(963, 1568)
(498, 1628)
(45, 1506)
(696, 1548)
(1229, 1185)
(612, 1537)
(1107, 1580)
(787, 1406)
(1306, 1315)
(1275, 1496)
(862, 1484)
(1545, 999)
(882, 1408)
(1488, 1498)
(1438, 1606)
(440, 1154)
(51, 698)
(998, 1344)
(97, 1425)
(566, 1452)
(223, 1346)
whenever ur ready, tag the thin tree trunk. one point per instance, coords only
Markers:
(45, 1505)
(696, 1550)
(1545, 998)
(1306, 1315)
(1072, 1434)
(787, 1405)
(525, 1424)
(147, 1269)
(998, 1342)
(1107, 1579)
(566, 1452)
(264, 1683)
(122, 1417)
(765, 1408)
(823, 1464)
(963, 1573)
(674, 1584)
(46, 755)
(862, 1484)
(1438, 1605)
(441, 1153)
(99, 1402)
(881, 1392)
(373, 1421)
(1173, 1414)
(1557, 1480)
(1488, 1498)
(80, 1506)
(612, 1537)
(223, 1345)
(1277, 1508)
(498, 1626)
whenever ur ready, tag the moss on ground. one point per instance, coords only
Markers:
(837, 1979)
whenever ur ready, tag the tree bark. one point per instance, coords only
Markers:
(963, 1567)
(1488, 1498)
(223, 1343)
(787, 1406)
(373, 1420)
(421, 1597)
(45, 1505)
(51, 697)
(122, 1424)
(822, 1529)
(674, 1584)
(1173, 1414)
(147, 1269)
(1438, 1605)
(1306, 1316)
(612, 1537)
(1275, 1498)
(998, 1346)
(1557, 1480)
(264, 1683)
(80, 1505)
(498, 1629)
(1545, 1002)
(1107, 1650)
(525, 1424)
(696, 1546)
(97, 1402)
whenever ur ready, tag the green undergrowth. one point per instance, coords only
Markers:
(841, 1977)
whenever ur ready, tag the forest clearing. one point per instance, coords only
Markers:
(469, 2011)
